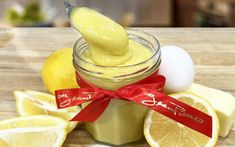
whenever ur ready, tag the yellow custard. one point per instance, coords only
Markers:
(108, 41)
(113, 59)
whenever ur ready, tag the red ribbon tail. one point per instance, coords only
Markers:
(93, 111)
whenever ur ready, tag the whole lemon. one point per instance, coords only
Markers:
(58, 71)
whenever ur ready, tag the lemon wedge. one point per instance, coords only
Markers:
(35, 103)
(33, 131)
(160, 130)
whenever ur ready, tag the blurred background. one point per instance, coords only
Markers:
(141, 13)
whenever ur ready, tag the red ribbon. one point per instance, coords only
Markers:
(147, 92)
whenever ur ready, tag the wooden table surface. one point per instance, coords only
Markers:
(23, 50)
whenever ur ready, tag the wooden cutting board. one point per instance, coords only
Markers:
(23, 50)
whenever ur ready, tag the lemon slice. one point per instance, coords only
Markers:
(33, 131)
(160, 130)
(36, 103)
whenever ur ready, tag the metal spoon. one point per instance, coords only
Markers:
(68, 7)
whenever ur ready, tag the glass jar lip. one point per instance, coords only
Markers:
(157, 46)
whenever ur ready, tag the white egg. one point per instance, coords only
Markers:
(178, 68)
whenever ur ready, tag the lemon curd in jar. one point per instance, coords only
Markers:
(109, 57)
(122, 121)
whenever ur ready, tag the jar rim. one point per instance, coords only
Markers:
(157, 48)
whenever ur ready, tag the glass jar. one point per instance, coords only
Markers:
(122, 121)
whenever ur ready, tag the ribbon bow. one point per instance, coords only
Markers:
(147, 92)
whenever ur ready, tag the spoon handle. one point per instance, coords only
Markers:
(68, 7)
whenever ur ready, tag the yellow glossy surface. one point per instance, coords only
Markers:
(108, 41)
